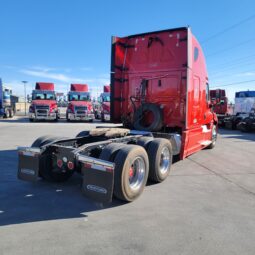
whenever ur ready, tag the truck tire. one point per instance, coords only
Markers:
(214, 137)
(110, 151)
(157, 122)
(130, 173)
(11, 113)
(245, 125)
(6, 114)
(144, 142)
(42, 140)
(31, 120)
(160, 157)
(83, 133)
(46, 168)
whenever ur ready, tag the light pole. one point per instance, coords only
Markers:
(25, 94)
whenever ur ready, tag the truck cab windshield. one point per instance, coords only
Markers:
(106, 97)
(79, 97)
(43, 95)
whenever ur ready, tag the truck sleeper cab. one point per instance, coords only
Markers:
(44, 104)
(6, 104)
(166, 84)
(105, 104)
(80, 105)
(159, 83)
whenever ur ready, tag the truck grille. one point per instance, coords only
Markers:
(42, 110)
(81, 109)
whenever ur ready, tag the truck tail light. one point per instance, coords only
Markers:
(59, 163)
(70, 165)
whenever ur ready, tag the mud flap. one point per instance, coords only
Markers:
(28, 167)
(98, 182)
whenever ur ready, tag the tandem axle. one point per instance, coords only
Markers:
(112, 161)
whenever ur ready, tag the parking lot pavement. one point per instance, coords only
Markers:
(206, 206)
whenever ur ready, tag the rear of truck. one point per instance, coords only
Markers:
(44, 104)
(220, 104)
(155, 89)
(148, 80)
(159, 83)
(80, 107)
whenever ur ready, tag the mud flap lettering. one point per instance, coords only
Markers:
(97, 182)
(28, 169)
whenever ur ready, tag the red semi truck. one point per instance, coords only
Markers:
(105, 104)
(220, 104)
(159, 86)
(44, 104)
(80, 105)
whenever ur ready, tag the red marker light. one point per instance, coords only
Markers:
(70, 165)
(59, 163)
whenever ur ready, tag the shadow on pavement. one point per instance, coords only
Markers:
(24, 202)
(236, 134)
(15, 120)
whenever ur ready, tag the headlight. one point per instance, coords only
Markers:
(31, 109)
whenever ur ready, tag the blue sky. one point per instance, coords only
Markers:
(69, 41)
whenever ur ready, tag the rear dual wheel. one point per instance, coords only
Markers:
(160, 157)
(131, 169)
(133, 165)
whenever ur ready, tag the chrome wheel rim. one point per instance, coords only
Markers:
(214, 134)
(164, 160)
(136, 173)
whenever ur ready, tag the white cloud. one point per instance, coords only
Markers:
(62, 79)
(50, 75)
(245, 74)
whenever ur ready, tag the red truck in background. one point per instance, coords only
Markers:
(160, 87)
(220, 104)
(44, 104)
(105, 104)
(80, 105)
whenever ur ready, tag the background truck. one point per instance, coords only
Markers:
(105, 104)
(6, 107)
(44, 104)
(244, 105)
(80, 105)
(159, 86)
(220, 104)
(97, 109)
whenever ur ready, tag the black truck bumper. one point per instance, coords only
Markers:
(97, 175)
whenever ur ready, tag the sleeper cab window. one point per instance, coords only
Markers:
(196, 53)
